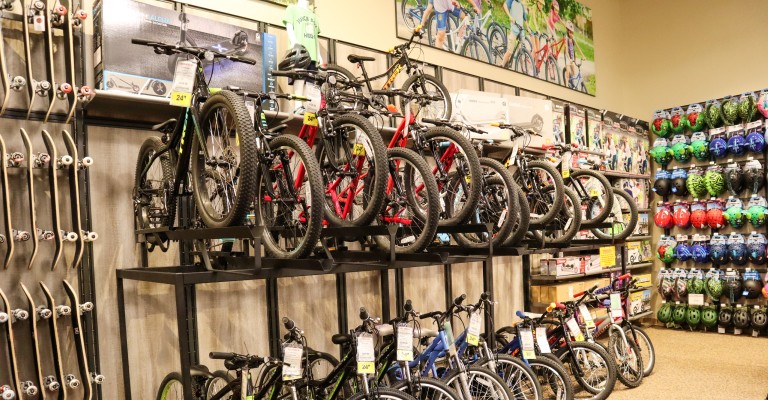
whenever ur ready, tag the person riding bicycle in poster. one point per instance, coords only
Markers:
(518, 20)
(537, 21)
(552, 20)
(570, 55)
(442, 8)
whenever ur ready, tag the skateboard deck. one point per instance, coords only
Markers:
(7, 318)
(8, 226)
(34, 15)
(55, 18)
(66, 381)
(55, 163)
(31, 195)
(15, 83)
(82, 356)
(36, 314)
(74, 20)
(74, 201)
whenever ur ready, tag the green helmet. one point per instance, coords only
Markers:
(664, 314)
(713, 115)
(709, 316)
(747, 108)
(696, 285)
(735, 216)
(730, 112)
(696, 185)
(756, 215)
(714, 182)
(695, 121)
(666, 253)
(714, 287)
(682, 152)
(661, 127)
(700, 149)
(693, 316)
(678, 314)
(662, 154)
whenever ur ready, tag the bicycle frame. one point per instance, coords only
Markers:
(550, 48)
(402, 62)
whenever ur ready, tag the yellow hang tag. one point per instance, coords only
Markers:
(594, 193)
(358, 150)
(181, 99)
(566, 172)
(365, 367)
(310, 119)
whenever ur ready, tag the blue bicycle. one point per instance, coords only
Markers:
(412, 12)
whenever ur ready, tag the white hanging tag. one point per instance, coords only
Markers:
(312, 92)
(366, 356)
(573, 326)
(586, 316)
(404, 342)
(541, 340)
(292, 355)
(617, 311)
(526, 341)
(473, 332)
(183, 83)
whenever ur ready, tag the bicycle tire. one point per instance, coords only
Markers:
(311, 225)
(569, 218)
(605, 194)
(416, 84)
(502, 214)
(477, 46)
(217, 375)
(646, 348)
(144, 196)
(628, 227)
(516, 375)
(522, 220)
(499, 387)
(524, 62)
(244, 173)
(407, 15)
(551, 70)
(369, 204)
(432, 33)
(428, 389)
(425, 209)
(553, 378)
(630, 369)
(497, 41)
(166, 385)
(471, 173)
(534, 193)
(347, 82)
(610, 382)
(382, 393)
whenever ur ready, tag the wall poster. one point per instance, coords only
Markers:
(546, 39)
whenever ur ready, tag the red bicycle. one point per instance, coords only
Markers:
(548, 55)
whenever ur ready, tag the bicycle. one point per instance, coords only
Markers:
(412, 15)
(521, 59)
(436, 100)
(241, 171)
(466, 38)
(548, 55)
(575, 82)
(622, 218)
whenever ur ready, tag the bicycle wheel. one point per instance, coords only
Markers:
(623, 217)
(498, 204)
(350, 93)
(321, 364)
(597, 366)
(550, 70)
(626, 354)
(497, 42)
(644, 344)
(476, 50)
(451, 156)
(595, 193)
(411, 15)
(521, 221)
(171, 388)
(536, 176)
(518, 377)
(427, 84)
(524, 62)
(230, 151)
(383, 393)
(427, 389)
(482, 383)
(289, 205)
(353, 162)
(432, 33)
(217, 383)
(566, 224)
(553, 379)
(411, 202)
(153, 205)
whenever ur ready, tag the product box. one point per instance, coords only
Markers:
(637, 188)
(535, 294)
(639, 302)
(577, 125)
(544, 267)
(595, 129)
(559, 293)
(591, 263)
(564, 266)
(634, 253)
(122, 66)
(558, 121)
(643, 280)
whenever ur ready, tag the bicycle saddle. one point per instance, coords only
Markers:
(165, 127)
(354, 58)
(200, 370)
(341, 338)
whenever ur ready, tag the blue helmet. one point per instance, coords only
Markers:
(756, 141)
(683, 252)
(737, 144)
(718, 147)
(719, 254)
(700, 252)
(737, 253)
(756, 253)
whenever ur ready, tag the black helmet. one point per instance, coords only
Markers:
(734, 180)
(662, 186)
(741, 318)
(753, 285)
(759, 318)
(725, 316)
(679, 188)
(297, 57)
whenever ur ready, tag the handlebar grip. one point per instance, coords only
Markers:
(363, 314)
(560, 306)
(457, 301)
(418, 28)
(575, 295)
(432, 121)
(215, 355)
(276, 72)
(381, 92)
(551, 307)
(485, 296)
(142, 41)
(408, 306)
(520, 314)
(245, 60)
(288, 323)
(625, 276)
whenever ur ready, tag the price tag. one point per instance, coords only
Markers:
(565, 170)
(526, 340)
(573, 326)
(183, 83)
(365, 354)
(696, 299)
(310, 119)
(292, 355)
(594, 192)
(586, 316)
(449, 337)
(473, 332)
(312, 92)
(541, 340)
(607, 256)
(358, 149)
(617, 312)
(404, 342)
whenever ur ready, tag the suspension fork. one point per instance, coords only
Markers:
(574, 361)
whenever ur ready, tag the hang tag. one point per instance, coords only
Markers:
(292, 355)
(617, 312)
(607, 256)
(310, 119)
(696, 299)
(512, 157)
(312, 92)
(586, 316)
(449, 337)
(502, 218)
(573, 326)
(541, 340)
(404, 342)
(526, 340)
(473, 332)
(366, 356)
(565, 170)
(358, 149)
(183, 83)
(38, 23)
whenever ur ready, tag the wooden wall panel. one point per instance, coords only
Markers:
(456, 81)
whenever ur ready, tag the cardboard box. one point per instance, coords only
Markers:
(544, 267)
(591, 263)
(559, 293)
(536, 294)
(564, 266)
(644, 280)
(639, 302)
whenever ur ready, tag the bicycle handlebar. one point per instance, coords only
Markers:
(521, 314)
(588, 291)
(215, 355)
(408, 306)
(625, 276)
(432, 314)
(288, 323)
(364, 314)
(199, 52)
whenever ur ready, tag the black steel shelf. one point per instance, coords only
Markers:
(629, 175)
(639, 238)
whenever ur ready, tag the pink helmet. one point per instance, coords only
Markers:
(555, 4)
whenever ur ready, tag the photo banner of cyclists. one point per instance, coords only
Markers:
(547, 39)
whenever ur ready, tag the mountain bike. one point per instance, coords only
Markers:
(622, 218)
(521, 59)
(234, 170)
(463, 37)
(436, 100)
(548, 55)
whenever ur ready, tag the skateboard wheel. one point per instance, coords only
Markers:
(43, 312)
(86, 91)
(65, 88)
(2, 238)
(63, 310)
(72, 382)
(18, 82)
(60, 10)
(44, 86)
(3, 319)
(66, 160)
(97, 378)
(86, 162)
(42, 159)
(86, 307)
(90, 236)
(81, 15)
(69, 236)
(51, 384)
(20, 315)
(8, 394)
(45, 235)
(21, 236)
(29, 389)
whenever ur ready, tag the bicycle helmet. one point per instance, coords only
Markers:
(663, 218)
(713, 286)
(734, 180)
(735, 216)
(700, 252)
(696, 184)
(715, 218)
(700, 149)
(683, 252)
(737, 144)
(297, 57)
(682, 152)
(718, 147)
(681, 288)
(759, 318)
(693, 316)
(661, 127)
(713, 114)
(741, 318)
(708, 316)
(730, 111)
(666, 286)
(677, 124)
(754, 178)
(664, 315)
(747, 108)
(696, 285)
(756, 215)
(666, 253)
(718, 253)
(725, 316)
(714, 182)
(756, 253)
(678, 314)
(695, 121)
(756, 141)
(737, 253)
(682, 216)
(699, 218)
(662, 155)
(762, 104)
(732, 287)
(662, 185)
(753, 284)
